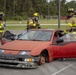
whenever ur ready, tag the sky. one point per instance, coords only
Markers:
(66, 0)
(69, 0)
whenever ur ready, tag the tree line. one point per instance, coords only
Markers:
(22, 9)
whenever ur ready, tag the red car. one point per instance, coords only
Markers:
(37, 47)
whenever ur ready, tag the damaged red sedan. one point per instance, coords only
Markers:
(37, 47)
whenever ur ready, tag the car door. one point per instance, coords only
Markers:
(54, 44)
(67, 48)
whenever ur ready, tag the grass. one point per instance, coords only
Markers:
(23, 27)
(42, 21)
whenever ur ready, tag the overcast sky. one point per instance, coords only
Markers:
(69, 0)
(66, 0)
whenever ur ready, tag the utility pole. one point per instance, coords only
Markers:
(58, 14)
(48, 7)
(14, 7)
(4, 6)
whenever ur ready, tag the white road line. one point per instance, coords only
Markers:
(62, 69)
(26, 24)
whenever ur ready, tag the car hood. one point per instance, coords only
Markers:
(23, 45)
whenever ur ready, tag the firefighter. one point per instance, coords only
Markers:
(35, 19)
(30, 24)
(71, 20)
(1, 24)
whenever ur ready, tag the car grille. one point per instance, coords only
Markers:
(8, 63)
(10, 58)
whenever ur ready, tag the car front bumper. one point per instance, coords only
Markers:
(18, 61)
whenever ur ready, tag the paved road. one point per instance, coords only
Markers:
(57, 67)
(26, 24)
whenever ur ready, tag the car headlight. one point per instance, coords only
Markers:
(1, 51)
(23, 53)
(29, 60)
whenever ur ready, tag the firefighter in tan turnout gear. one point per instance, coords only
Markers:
(1, 24)
(71, 20)
(32, 22)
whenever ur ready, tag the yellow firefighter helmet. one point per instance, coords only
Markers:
(36, 14)
(70, 10)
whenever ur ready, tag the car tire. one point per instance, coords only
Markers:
(42, 60)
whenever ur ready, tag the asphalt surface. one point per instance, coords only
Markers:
(56, 67)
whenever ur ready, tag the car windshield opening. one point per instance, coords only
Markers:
(36, 35)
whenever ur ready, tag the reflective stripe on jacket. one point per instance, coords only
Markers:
(1, 31)
(72, 21)
(65, 32)
(71, 25)
(1, 27)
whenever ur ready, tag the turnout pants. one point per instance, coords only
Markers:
(1, 34)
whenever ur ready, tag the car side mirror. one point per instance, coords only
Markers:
(59, 41)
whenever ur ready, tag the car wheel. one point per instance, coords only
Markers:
(42, 60)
